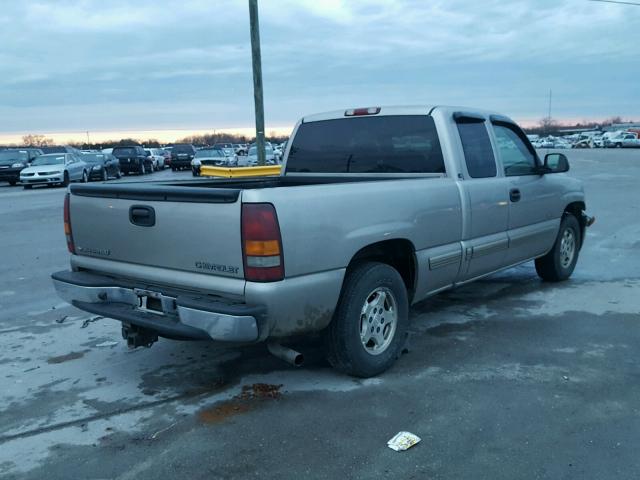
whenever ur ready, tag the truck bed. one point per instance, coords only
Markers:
(212, 190)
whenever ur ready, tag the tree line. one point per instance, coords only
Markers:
(33, 140)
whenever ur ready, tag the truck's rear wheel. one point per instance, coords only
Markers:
(369, 326)
(559, 263)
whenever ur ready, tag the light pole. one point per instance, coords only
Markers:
(257, 79)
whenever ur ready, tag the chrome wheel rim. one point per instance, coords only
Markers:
(567, 248)
(378, 320)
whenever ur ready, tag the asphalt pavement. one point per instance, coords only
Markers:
(507, 378)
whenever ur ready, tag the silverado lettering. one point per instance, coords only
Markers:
(217, 268)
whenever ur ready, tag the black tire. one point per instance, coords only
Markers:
(66, 181)
(27, 187)
(105, 175)
(345, 350)
(12, 183)
(141, 169)
(85, 176)
(554, 266)
(118, 174)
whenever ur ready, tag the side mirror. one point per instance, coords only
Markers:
(556, 163)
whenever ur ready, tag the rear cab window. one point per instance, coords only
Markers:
(384, 144)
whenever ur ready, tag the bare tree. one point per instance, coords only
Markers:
(36, 141)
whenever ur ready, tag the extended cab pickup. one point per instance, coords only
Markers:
(375, 209)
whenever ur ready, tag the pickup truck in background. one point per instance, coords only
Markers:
(375, 209)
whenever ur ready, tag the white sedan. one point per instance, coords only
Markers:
(55, 168)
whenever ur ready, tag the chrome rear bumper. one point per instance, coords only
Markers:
(170, 314)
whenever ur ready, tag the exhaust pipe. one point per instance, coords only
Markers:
(285, 353)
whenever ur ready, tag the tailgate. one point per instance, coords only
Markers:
(187, 228)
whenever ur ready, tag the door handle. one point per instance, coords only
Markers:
(514, 195)
(142, 215)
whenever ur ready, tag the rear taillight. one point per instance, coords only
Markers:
(67, 226)
(261, 243)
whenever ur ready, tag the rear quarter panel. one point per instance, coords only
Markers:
(324, 226)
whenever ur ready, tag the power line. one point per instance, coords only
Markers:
(617, 1)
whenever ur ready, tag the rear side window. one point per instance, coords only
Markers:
(478, 153)
(388, 144)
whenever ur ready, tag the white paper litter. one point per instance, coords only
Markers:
(403, 441)
(107, 344)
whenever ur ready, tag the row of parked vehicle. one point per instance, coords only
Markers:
(225, 155)
(65, 164)
(614, 139)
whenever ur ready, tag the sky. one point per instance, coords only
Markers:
(171, 67)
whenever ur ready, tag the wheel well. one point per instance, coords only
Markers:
(576, 209)
(398, 253)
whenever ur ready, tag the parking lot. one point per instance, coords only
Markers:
(507, 377)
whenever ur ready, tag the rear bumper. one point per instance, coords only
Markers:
(181, 163)
(177, 315)
(10, 175)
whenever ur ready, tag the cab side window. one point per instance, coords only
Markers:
(517, 158)
(478, 153)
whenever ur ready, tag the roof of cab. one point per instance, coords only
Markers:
(403, 110)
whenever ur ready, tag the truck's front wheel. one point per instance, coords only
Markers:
(558, 264)
(369, 326)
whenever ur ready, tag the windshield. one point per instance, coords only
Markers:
(12, 156)
(94, 157)
(210, 152)
(48, 160)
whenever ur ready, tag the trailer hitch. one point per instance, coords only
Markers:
(138, 336)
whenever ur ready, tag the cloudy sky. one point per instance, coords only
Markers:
(71, 66)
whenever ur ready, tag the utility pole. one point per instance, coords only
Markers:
(549, 113)
(88, 140)
(257, 79)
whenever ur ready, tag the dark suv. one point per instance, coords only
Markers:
(133, 159)
(12, 162)
(181, 156)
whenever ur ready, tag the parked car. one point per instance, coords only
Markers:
(585, 143)
(54, 169)
(240, 149)
(228, 148)
(370, 214)
(133, 159)
(598, 141)
(630, 140)
(102, 166)
(167, 157)
(181, 156)
(209, 156)
(13, 161)
(157, 157)
(251, 159)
